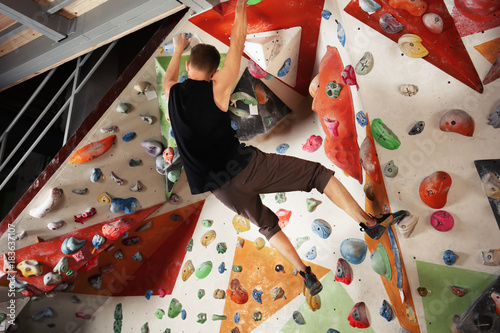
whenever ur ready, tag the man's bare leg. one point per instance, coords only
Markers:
(282, 244)
(339, 195)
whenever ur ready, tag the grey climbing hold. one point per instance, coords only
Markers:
(417, 128)
(80, 191)
(137, 256)
(123, 107)
(138, 187)
(52, 278)
(147, 118)
(391, 170)
(298, 318)
(118, 254)
(134, 163)
(95, 281)
(144, 227)
(56, 225)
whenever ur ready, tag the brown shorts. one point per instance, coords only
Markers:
(270, 173)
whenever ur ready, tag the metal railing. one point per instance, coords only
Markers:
(73, 77)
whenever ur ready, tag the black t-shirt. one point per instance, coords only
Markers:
(210, 152)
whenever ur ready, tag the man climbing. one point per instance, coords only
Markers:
(214, 159)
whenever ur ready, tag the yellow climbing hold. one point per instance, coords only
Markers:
(240, 223)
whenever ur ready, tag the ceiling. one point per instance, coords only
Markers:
(37, 35)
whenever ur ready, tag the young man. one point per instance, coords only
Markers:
(214, 159)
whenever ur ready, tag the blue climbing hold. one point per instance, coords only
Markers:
(312, 253)
(340, 33)
(353, 250)
(282, 148)
(171, 133)
(128, 205)
(331, 330)
(148, 294)
(183, 314)
(285, 68)
(326, 14)
(386, 311)
(449, 257)
(257, 295)
(236, 317)
(361, 118)
(222, 267)
(129, 136)
(183, 78)
(234, 124)
(321, 228)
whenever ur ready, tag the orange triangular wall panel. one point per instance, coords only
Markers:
(446, 50)
(269, 16)
(258, 272)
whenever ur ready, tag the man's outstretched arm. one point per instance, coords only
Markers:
(172, 73)
(225, 79)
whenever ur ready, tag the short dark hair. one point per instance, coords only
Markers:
(204, 57)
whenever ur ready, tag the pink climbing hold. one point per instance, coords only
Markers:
(441, 220)
(85, 215)
(332, 126)
(256, 71)
(349, 76)
(312, 144)
(162, 293)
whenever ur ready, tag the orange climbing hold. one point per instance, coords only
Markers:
(341, 149)
(92, 150)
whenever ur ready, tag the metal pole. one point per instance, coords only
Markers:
(34, 144)
(71, 99)
(27, 104)
(3, 144)
(37, 120)
(101, 59)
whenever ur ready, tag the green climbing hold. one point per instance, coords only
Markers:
(312, 204)
(237, 268)
(202, 318)
(201, 293)
(218, 317)
(207, 223)
(381, 263)
(159, 313)
(383, 135)
(167, 330)
(280, 197)
(253, 2)
(145, 328)
(3, 316)
(174, 176)
(203, 270)
(257, 316)
(174, 308)
(262, 196)
(333, 89)
(69, 272)
(189, 247)
(117, 326)
(221, 248)
(118, 312)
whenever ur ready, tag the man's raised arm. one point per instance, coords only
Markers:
(225, 79)
(172, 73)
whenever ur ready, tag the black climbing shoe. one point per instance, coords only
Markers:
(383, 221)
(311, 281)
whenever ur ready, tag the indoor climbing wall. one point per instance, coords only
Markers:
(343, 87)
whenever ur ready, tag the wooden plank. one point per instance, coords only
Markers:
(75, 9)
(18, 40)
(5, 22)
